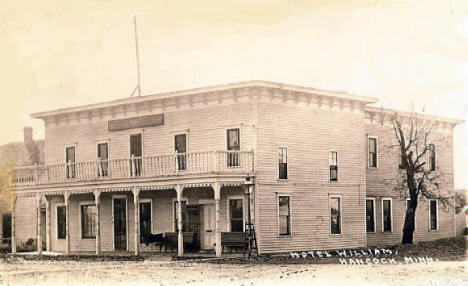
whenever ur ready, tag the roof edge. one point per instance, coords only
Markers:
(407, 113)
(213, 88)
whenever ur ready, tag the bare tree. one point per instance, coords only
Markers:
(419, 177)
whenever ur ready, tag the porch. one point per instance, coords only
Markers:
(191, 217)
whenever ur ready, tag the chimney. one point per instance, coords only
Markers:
(28, 134)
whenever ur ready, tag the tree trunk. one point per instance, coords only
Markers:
(408, 228)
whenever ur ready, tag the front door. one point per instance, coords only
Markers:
(120, 223)
(207, 233)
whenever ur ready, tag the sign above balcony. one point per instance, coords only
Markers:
(136, 122)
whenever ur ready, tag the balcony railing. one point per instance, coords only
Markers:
(221, 162)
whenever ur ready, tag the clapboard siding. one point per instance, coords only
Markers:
(25, 218)
(205, 127)
(378, 186)
(309, 134)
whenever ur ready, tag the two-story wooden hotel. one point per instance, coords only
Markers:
(177, 163)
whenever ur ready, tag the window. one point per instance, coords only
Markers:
(386, 215)
(61, 222)
(282, 163)
(184, 216)
(400, 159)
(136, 151)
(181, 149)
(233, 147)
(433, 215)
(6, 228)
(432, 157)
(145, 218)
(70, 158)
(370, 215)
(284, 215)
(333, 161)
(236, 215)
(103, 155)
(88, 221)
(372, 152)
(335, 215)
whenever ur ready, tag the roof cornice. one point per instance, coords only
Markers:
(387, 111)
(208, 89)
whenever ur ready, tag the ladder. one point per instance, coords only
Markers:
(251, 239)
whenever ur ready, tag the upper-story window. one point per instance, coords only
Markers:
(400, 158)
(180, 145)
(333, 162)
(282, 163)
(136, 151)
(70, 158)
(372, 152)
(233, 147)
(103, 155)
(432, 157)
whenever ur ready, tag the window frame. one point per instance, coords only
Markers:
(56, 221)
(337, 167)
(374, 214)
(376, 152)
(277, 162)
(141, 133)
(278, 195)
(186, 148)
(67, 175)
(429, 157)
(391, 214)
(436, 214)
(339, 197)
(3, 238)
(226, 145)
(146, 200)
(228, 210)
(108, 154)
(84, 203)
(183, 199)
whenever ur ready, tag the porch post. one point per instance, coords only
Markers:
(38, 224)
(97, 200)
(13, 224)
(180, 237)
(47, 223)
(217, 195)
(66, 197)
(136, 200)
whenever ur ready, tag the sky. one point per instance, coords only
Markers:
(56, 54)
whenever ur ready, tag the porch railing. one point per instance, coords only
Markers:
(134, 167)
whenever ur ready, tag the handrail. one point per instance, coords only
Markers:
(147, 166)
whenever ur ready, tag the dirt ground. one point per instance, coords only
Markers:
(447, 267)
(48, 272)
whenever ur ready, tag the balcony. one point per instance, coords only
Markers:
(178, 164)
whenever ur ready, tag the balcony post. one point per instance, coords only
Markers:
(97, 200)
(176, 162)
(216, 160)
(180, 236)
(38, 224)
(136, 201)
(47, 223)
(66, 196)
(36, 178)
(13, 222)
(132, 165)
(99, 167)
(217, 195)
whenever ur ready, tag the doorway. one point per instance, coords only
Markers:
(207, 226)
(119, 206)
